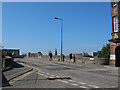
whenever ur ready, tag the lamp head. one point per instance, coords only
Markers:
(56, 18)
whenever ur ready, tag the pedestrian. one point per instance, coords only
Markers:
(50, 55)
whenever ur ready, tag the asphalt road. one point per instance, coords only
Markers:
(52, 74)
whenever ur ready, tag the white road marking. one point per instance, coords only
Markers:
(52, 75)
(45, 75)
(48, 73)
(71, 80)
(93, 86)
(59, 76)
(83, 87)
(64, 81)
(82, 83)
(114, 86)
(41, 72)
(59, 80)
(74, 84)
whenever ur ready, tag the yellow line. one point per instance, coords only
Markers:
(28, 66)
(24, 75)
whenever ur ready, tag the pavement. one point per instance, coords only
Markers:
(9, 75)
(111, 67)
(41, 73)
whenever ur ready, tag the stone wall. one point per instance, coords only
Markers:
(7, 63)
(78, 59)
(10, 51)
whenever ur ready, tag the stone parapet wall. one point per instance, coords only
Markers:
(7, 63)
(78, 59)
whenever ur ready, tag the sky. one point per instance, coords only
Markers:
(31, 27)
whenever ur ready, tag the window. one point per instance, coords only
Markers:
(115, 23)
(114, 3)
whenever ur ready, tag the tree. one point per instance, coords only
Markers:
(105, 52)
(55, 51)
(1, 46)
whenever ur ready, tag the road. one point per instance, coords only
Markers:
(53, 74)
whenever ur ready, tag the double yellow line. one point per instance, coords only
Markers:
(24, 75)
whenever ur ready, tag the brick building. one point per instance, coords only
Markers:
(13, 52)
(115, 41)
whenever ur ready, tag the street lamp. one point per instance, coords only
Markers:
(61, 34)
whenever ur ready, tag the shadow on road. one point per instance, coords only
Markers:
(16, 65)
(61, 78)
(8, 72)
(5, 82)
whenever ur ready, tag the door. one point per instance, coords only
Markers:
(117, 54)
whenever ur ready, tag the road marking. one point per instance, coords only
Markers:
(58, 76)
(93, 86)
(45, 75)
(59, 80)
(64, 81)
(24, 75)
(83, 87)
(90, 85)
(28, 66)
(73, 84)
(96, 87)
(71, 81)
(41, 74)
(52, 75)
(82, 83)
(48, 73)
(40, 71)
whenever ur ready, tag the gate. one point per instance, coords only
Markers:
(117, 54)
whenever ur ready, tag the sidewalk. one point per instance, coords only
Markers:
(17, 71)
(109, 67)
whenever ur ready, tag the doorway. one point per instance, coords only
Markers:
(117, 54)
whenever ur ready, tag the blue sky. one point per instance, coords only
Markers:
(31, 27)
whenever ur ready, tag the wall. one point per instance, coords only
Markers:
(6, 51)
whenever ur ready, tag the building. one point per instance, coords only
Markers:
(10, 52)
(94, 54)
(34, 54)
(76, 54)
(115, 41)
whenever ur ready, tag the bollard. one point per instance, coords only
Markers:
(74, 58)
(63, 57)
(70, 55)
(59, 59)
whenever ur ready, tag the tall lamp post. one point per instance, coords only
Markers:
(61, 36)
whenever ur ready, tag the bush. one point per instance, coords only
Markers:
(105, 52)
